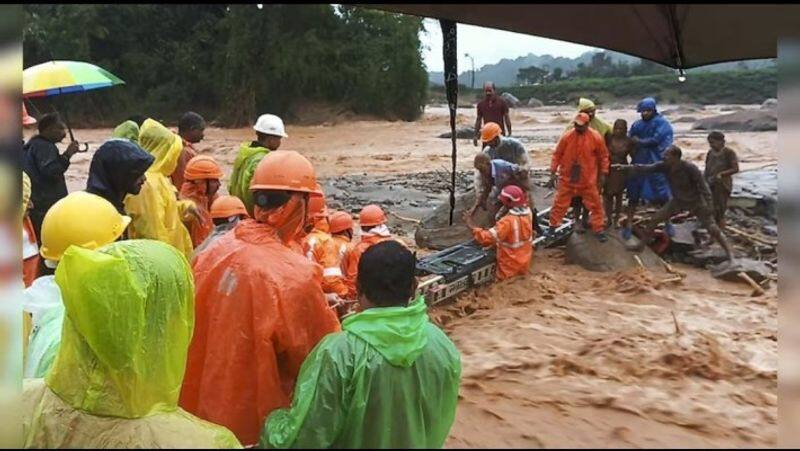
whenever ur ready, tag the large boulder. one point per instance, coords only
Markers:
(535, 103)
(770, 104)
(585, 250)
(461, 133)
(741, 121)
(512, 101)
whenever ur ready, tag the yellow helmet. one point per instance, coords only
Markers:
(82, 219)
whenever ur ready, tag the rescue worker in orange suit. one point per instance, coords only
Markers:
(513, 234)
(320, 248)
(226, 212)
(580, 163)
(341, 228)
(373, 231)
(202, 181)
(260, 308)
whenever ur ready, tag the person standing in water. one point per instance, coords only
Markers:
(620, 146)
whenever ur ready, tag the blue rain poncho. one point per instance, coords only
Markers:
(654, 135)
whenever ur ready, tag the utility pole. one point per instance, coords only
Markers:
(467, 55)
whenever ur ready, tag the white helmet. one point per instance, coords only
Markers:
(269, 124)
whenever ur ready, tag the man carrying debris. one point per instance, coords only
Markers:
(389, 380)
(492, 108)
(721, 164)
(689, 190)
(513, 234)
(260, 309)
(580, 163)
(269, 131)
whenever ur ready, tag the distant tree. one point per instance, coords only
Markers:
(558, 73)
(531, 75)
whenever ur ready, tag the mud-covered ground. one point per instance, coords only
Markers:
(562, 357)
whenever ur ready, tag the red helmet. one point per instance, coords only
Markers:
(513, 196)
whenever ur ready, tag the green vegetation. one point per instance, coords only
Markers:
(231, 63)
(753, 86)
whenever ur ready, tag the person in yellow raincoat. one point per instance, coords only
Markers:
(156, 212)
(118, 373)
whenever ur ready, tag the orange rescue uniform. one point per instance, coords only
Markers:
(513, 236)
(351, 259)
(195, 190)
(30, 265)
(589, 151)
(255, 323)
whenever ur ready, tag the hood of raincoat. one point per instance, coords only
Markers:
(128, 130)
(115, 166)
(163, 144)
(129, 319)
(397, 333)
(648, 103)
(585, 104)
(244, 166)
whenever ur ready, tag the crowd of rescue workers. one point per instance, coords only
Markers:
(159, 313)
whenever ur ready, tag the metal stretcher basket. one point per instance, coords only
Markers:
(467, 265)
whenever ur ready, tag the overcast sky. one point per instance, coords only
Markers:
(488, 46)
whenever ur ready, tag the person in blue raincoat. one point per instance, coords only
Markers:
(652, 134)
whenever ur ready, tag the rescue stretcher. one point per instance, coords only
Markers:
(451, 271)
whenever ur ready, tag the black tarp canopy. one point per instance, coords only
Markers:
(680, 36)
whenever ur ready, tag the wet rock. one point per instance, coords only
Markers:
(686, 119)
(770, 104)
(434, 232)
(461, 133)
(535, 103)
(757, 191)
(743, 121)
(731, 108)
(707, 257)
(585, 250)
(758, 271)
(512, 101)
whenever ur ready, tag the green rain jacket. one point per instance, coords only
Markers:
(128, 130)
(390, 379)
(117, 376)
(250, 154)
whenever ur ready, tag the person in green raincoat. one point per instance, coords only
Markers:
(390, 379)
(269, 131)
(605, 129)
(118, 372)
(128, 130)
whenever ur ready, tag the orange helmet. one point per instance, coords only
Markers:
(490, 131)
(316, 205)
(202, 167)
(371, 215)
(227, 206)
(26, 119)
(340, 221)
(285, 170)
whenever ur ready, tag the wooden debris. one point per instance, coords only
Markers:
(675, 320)
(757, 290)
(403, 218)
(751, 237)
(639, 261)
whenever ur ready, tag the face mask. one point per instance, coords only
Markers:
(289, 219)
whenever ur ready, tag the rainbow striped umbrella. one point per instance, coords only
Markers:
(64, 77)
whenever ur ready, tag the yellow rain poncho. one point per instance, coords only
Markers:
(596, 124)
(156, 212)
(118, 373)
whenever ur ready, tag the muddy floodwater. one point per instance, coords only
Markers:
(563, 357)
